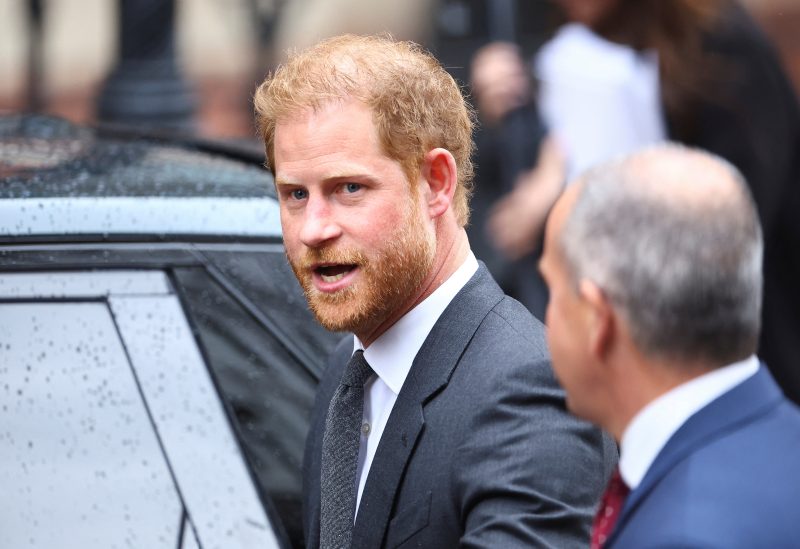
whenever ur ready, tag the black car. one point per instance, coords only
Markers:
(157, 358)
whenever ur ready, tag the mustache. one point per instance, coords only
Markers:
(315, 256)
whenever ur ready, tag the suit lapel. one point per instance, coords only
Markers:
(430, 372)
(753, 397)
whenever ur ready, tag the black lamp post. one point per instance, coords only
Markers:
(146, 87)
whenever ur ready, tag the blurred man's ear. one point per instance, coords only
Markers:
(602, 319)
(440, 173)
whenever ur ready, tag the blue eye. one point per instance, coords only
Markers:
(352, 187)
(299, 194)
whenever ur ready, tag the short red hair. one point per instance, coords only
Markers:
(416, 104)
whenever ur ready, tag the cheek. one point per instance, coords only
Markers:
(558, 340)
(296, 252)
(289, 231)
(553, 319)
(552, 329)
(372, 230)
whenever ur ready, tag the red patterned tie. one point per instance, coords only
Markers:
(610, 508)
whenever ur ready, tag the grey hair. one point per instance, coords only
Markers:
(679, 253)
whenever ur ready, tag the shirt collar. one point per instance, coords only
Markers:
(655, 424)
(392, 354)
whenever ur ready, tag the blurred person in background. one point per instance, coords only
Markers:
(654, 269)
(510, 142)
(625, 73)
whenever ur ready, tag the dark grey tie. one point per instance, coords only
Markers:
(340, 455)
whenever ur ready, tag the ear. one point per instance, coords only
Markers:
(440, 174)
(602, 321)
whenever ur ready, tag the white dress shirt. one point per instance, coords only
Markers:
(390, 357)
(600, 99)
(654, 425)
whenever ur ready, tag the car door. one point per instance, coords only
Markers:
(112, 433)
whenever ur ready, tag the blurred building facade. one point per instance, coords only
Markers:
(225, 47)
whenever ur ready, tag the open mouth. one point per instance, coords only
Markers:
(333, 273)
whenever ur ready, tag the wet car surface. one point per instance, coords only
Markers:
(157, 359)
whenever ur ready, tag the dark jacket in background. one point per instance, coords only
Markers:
(502, 154)
(751, 117)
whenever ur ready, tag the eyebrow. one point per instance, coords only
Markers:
(335, 176)
(285, 181)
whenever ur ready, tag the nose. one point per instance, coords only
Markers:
(319, 223)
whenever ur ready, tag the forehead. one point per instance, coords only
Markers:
(335, 140)
(331, 119)
(561, 212)
(343, 124)
(552, 258)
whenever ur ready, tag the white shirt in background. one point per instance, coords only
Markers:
(600, 100)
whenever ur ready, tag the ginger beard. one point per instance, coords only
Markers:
(389, 277)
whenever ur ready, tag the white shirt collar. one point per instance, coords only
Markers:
(391, 355)
(648, 432)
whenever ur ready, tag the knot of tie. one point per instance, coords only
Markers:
(358, 370)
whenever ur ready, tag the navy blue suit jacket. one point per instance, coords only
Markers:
(728, 478)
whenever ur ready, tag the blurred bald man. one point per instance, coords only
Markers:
(654, 268)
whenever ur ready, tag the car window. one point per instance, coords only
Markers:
(265, 352)
(113, 433)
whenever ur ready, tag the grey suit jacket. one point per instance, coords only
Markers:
(479, 450)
